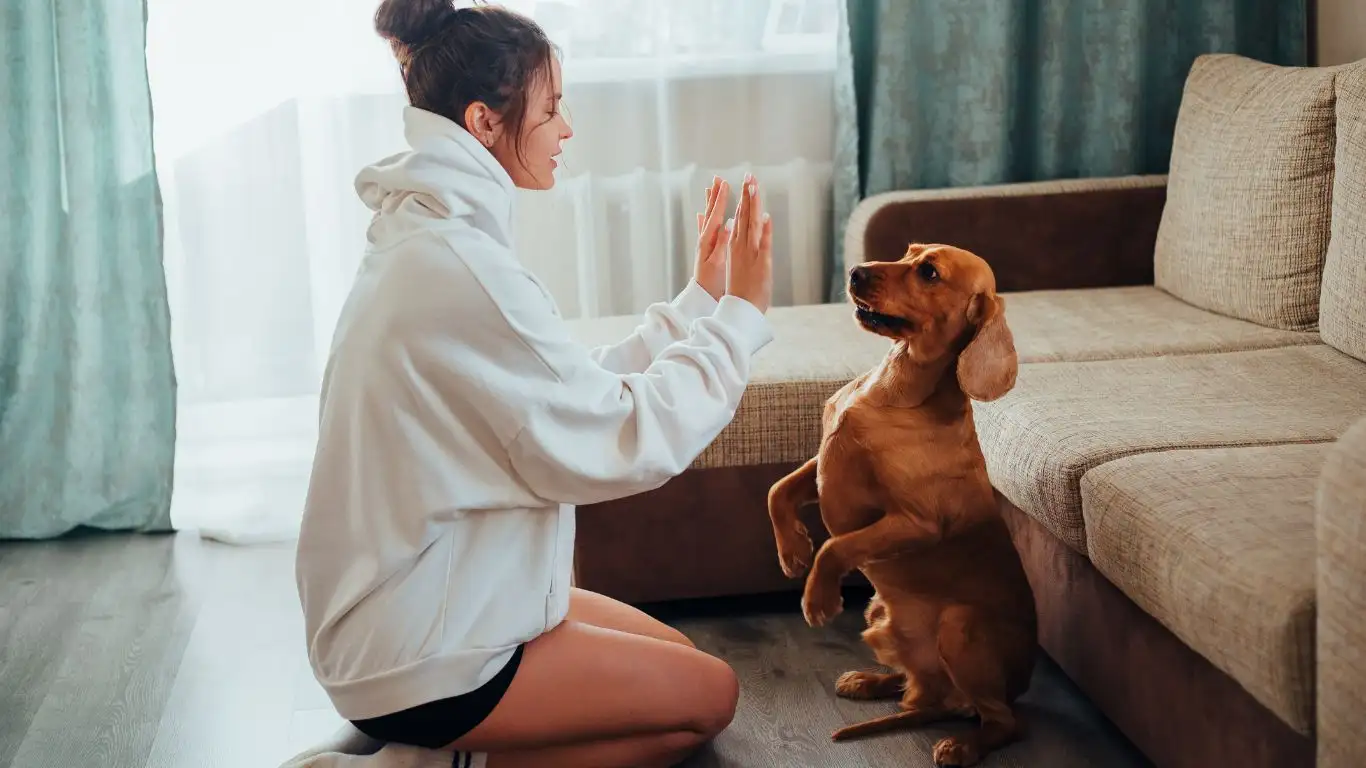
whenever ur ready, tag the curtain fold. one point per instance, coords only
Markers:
(87, 387)
(948, 93)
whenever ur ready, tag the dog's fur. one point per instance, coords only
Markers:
(903, 491)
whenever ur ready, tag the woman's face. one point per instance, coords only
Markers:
(544, 129)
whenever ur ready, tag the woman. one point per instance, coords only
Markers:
(460, 422)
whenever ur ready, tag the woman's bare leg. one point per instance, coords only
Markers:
(589, 696)
(602, 611)
(663, 751)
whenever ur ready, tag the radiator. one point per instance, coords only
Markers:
(610, 245)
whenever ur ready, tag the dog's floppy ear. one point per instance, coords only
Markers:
(988, 365)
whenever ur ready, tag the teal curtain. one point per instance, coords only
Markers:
(87, 389)
(947, 93)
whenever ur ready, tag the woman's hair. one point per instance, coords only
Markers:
(451, 58)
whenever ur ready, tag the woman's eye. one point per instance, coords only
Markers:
(927, 271)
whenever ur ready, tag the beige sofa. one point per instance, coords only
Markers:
(1178, 461)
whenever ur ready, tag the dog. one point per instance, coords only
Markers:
(903, 491)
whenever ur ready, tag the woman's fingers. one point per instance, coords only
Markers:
(756, 212)
(742, 211)
(709, 197)
(716, 212)
(766, 236)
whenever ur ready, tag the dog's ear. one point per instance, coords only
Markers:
(988, 365)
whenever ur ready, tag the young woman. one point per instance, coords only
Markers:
(460, 423)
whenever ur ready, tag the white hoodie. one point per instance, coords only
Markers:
(459, 424)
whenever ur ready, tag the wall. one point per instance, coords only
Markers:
(1342, 31)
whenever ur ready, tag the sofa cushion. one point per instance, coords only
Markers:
(818, 348)
(1340, 634)
(1245, 226)
(1218, 545)
(1134, 321)
(1343, 300)
(1062, 419)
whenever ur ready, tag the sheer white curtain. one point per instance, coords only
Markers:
(266, 109)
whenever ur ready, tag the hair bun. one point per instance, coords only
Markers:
(412, 22)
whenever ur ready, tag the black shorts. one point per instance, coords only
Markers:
(438, 723)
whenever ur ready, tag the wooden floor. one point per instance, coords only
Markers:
(172, 652)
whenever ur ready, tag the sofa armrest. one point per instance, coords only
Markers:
(1073, 233)
(1341, 633)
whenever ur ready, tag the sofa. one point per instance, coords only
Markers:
(1182, 462)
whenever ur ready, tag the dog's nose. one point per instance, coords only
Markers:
(858, 277)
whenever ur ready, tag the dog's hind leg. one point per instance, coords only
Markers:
(977, 666)
(924, 701)
(859, 684)
(907, 718)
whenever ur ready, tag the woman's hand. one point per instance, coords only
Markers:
(751, 250)
(712, 241)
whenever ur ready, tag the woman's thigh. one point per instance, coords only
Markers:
(580, 682)
(602, 611)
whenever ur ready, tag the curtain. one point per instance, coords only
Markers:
(87, 390)
(267, 109)
(946, 93)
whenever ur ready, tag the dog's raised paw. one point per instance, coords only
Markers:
(821, 604)
(957, 752)
(794, 554)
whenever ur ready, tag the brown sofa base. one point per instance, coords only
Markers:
(1179, 709)
(703, 534)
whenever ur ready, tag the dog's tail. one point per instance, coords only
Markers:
(905, 719)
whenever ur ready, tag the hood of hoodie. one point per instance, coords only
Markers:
(446, 178)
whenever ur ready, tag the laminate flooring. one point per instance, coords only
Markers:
(167, 651)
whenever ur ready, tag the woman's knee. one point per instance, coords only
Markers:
(672, 635)
(716, 699)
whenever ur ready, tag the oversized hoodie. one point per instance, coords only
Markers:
(460, 423)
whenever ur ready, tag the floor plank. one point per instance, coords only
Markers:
(788, 707)
(173, 652)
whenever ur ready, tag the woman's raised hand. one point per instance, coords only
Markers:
(751, 250)
(712, 240)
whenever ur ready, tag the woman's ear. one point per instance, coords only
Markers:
(988, 365)
(482, 123)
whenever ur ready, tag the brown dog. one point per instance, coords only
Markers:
(903, 491)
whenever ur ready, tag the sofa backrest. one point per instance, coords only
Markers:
(1342, 303)
(1246, 224)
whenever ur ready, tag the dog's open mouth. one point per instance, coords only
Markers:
(877, 320)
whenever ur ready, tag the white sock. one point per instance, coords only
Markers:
(346, 752)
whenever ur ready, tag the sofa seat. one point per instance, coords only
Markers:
(818, 348)
(1132, 321)
(1218, 545)
(1063, 419)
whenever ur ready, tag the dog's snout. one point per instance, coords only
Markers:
(858, 277)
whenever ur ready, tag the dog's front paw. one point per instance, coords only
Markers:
(794, 552)
(821, 602)
(956, 751)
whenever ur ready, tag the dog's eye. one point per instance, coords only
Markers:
(927, 271)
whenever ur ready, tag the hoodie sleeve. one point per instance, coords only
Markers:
(573, 430)
(663, 324)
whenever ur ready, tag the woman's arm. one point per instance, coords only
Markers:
(573, 430)
(663, 324)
